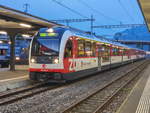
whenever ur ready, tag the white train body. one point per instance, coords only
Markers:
(64, 54)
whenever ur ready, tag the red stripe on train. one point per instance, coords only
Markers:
(49, 70)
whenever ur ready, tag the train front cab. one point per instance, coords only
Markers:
(44, 59)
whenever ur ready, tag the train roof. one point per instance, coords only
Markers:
(83, 34)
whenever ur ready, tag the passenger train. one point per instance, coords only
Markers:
(62, 53)
(21, 50)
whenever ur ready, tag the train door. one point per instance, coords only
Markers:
(99, 57)
(68, 56)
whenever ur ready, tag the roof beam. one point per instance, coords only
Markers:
(145, 8)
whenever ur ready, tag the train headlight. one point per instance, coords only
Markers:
(56, 61)
(17, 58)
(33, 60)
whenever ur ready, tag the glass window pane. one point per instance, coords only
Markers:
(81, 45)
(68, 49)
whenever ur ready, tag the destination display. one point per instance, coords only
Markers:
(48, 34)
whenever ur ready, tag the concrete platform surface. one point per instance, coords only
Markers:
(136, 102)
(14, 79)
(12, 74)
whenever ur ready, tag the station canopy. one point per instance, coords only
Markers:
(11, 19)
(145, 7)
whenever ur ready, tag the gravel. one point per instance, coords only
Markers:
(119, 99)
(56, 100)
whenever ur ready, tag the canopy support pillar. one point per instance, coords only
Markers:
(12, 36)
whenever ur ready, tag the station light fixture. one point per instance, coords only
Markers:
(9, 42)
(26, 35)
(3, 32)
(17, 58)
(25, 25)
(50, 30)
(1, 41)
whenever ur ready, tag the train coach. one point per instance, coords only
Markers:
(62, 53)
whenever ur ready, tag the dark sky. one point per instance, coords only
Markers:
(106, 12)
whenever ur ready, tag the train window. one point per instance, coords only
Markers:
(68, 49)
(115, 51)
(88, 51)
(120, 51)
(94, 49)
(105, 53)
(124, 52)
(81, 47)
(2, 52)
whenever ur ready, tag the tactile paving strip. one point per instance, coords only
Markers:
(144, 103)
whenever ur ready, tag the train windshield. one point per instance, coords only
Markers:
(45, 46)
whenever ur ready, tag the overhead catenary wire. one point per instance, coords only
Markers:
(126, 11)
(70, 9)
(98, 12)
(74, 11)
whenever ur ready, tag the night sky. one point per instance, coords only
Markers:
(106, 12)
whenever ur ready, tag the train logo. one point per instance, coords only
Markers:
(44, 66)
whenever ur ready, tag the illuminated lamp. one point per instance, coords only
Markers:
(3, 32)
(25, 25)
(56, 61)
(17, 58)
(33, 60)
(1, 41)
(26, 35)
(50, 30)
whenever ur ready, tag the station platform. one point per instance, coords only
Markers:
(13, 79)
(138, 101)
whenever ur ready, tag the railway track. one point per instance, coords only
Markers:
(99, 99)
(14, 95)
(24, 92)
